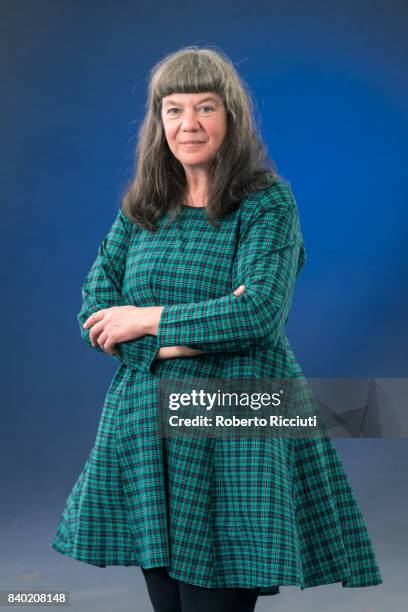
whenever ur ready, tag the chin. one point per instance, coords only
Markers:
(195, 158)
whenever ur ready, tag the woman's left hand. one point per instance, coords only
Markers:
(121, 323)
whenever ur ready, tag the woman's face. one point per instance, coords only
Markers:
(195, 125)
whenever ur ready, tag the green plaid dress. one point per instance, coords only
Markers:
(217, 512)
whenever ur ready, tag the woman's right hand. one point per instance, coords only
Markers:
(169, 352)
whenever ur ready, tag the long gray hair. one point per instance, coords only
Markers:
(241, 164)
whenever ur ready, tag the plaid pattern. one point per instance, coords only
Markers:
(217, 512)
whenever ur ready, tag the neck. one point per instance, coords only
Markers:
(197, 188)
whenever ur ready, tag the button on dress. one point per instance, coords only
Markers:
(247, 512)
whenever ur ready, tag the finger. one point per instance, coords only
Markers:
(103, 341)
(112, 336)
(240, 290)
(111, 351)
(107, 342)
(96, 316)
(95, 332)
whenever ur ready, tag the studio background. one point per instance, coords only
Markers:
(329, 82)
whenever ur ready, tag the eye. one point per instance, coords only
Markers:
(174, 108)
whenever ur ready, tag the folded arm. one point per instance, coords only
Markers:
(103, 289)
(268, 259)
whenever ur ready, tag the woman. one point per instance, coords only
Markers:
(195, 280)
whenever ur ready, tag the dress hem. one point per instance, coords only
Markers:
(263, 589)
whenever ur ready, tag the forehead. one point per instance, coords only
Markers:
(191, 98)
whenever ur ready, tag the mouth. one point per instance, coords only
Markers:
(192, 143)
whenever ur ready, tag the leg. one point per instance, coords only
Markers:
(163, 589)
(201, 599)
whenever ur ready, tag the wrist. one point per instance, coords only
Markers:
(151, 319)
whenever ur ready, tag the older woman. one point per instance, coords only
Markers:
(195, 279)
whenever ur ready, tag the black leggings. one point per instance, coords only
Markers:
(168, 594)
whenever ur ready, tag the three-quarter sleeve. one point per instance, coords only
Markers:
(103, 289)
(268, 259)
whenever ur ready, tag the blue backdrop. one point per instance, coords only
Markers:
(330, 85)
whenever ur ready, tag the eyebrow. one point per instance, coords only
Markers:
(200, 102)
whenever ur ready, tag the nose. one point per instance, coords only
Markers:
(190, 120)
